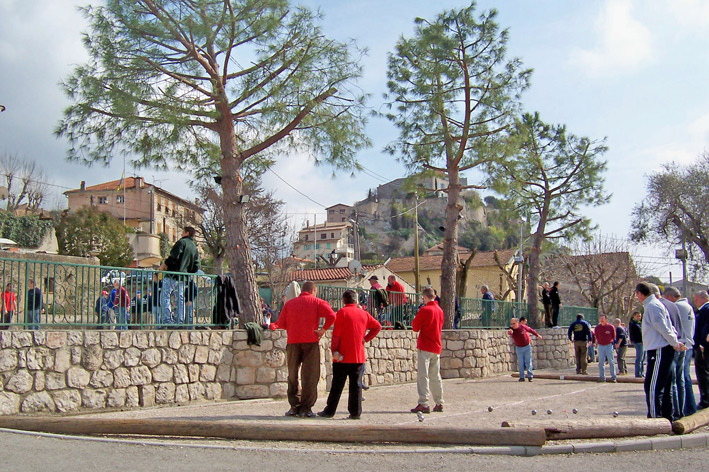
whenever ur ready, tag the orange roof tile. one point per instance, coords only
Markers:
(332, 273)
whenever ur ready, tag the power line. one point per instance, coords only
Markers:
(284, 181)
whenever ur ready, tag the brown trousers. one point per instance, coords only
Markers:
(306, 358)
(581, 351)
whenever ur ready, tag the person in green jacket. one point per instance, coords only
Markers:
(183, 258)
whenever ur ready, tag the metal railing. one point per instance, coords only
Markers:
(84, 296)
(474, 312)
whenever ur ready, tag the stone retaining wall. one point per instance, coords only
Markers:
(62, 371)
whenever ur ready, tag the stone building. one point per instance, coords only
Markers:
(149, 209)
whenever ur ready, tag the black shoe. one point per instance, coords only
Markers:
(324, 414)
(530, 379)
(307, 413)
(353, 417)
(365, 387)
(292, 412)
(521, 379)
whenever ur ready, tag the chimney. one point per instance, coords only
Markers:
(83, 185)
(139, 182)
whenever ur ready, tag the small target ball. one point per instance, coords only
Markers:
(534, 412)
(574, 411)
(490, 409)
(549, 412)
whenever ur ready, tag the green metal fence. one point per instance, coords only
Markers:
(474, 312)
(78, 295)
(567, 314)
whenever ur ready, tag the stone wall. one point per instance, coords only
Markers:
(63, 371)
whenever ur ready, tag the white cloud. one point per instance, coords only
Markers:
(623, 42)
(692, 15)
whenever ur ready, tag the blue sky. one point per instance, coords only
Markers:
(630, 70)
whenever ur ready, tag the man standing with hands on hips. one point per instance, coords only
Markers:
(429, 324)
(300, 317)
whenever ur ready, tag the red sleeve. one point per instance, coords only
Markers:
(326, 312)
(374, 327)
(282, 319)
(530, 330)
(418, 321)
(335, 346)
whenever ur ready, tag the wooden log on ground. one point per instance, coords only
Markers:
(587, 378)
(690, 423)
(596, 428)
(282, 431)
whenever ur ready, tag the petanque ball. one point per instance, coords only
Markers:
(615, 414)
(574, 411)
(534, 412)
(549, 412)
(490, 409)
(420, 416)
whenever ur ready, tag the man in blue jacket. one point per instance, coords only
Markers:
(701, 347)
(580, 334)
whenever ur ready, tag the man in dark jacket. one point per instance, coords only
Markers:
(580, 334)
(635, 330)
(555, 304)
(701, 346)
(183, 258)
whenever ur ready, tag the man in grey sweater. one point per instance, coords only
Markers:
(660, 342)
(683, 396)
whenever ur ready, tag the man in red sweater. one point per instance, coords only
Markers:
(604, 333)
(523, 345)
(353, 328)
(429, 323)
(300, 317)
(397, 299)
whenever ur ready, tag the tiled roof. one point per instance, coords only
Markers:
(482, 259)
(334, 273)
(435, 250)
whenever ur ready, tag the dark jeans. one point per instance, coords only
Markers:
(678, 395)
(6, 319)
(340, 373)
(303, 357)
(555, 315)
(547, 315)
(701, 367)
(658, 382)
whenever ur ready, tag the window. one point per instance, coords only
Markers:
(103, 200)
(159, 207)
(332, 235)
(119, 199)
(331, 211)
(342, 210)
(328, 245)
(323, 236)
(317, 246)
(306, 237)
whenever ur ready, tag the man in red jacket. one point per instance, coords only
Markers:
(523, 346)
(300, 317)
(429, 323)
(353, 328)
(397, 299)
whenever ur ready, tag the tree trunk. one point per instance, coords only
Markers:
(238, 250)
(449, 264)
(218, 263)
(533, 279)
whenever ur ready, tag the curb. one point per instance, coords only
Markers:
(689, 441)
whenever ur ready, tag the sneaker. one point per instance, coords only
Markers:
(292, 412)
(307, 413)
(438, 408)
(601, 380)
(521, 379)
(365, 387)
(584, 373)
(325, 414)
(421, 408)
(530, 379)
(613, 381)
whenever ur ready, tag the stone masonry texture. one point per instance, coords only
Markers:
(64, 371)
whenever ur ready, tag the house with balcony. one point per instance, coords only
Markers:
(148, 209)
(329, 244)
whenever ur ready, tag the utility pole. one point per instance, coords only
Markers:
(315, 242)
(416, 245)
(684, 267)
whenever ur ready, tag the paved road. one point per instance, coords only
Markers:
(30, 453)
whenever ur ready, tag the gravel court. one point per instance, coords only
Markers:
(466, 404)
